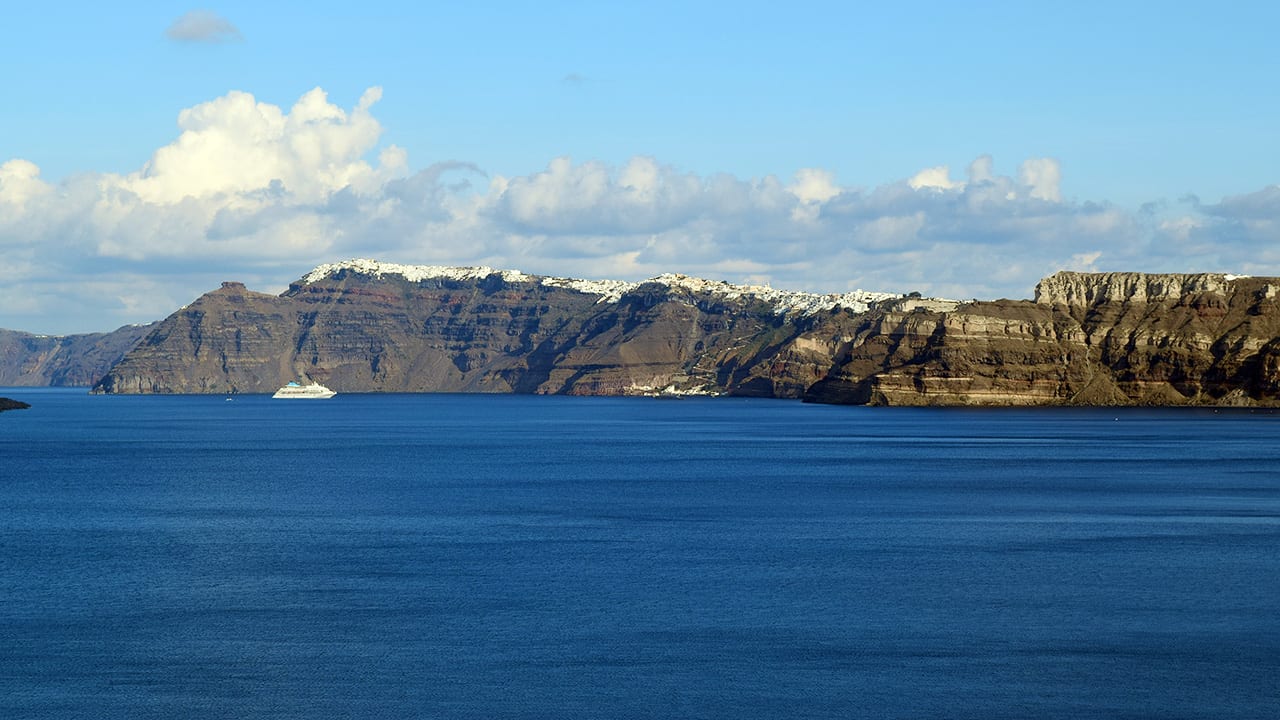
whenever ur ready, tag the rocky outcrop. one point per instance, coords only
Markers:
(28, 360)
(363, 326)
(7, 404)
(1075, 289)
(1086, 339)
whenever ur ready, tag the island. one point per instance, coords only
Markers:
(7, 404)
(364, 326)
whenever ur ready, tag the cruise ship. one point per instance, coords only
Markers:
(314, 391)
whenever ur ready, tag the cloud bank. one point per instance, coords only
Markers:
(253, 192)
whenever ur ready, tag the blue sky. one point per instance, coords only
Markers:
(799, 145)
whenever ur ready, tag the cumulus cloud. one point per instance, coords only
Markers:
(255, 192)
(814, 185)
(202, 26)
(981, 169)
(1238, 233)
(245, 185)
(235, 146)
(1041, 176)
(936, 178)
(19, 183)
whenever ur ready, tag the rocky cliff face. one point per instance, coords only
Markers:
(1087, 339)
(29, 360)
(373, 327)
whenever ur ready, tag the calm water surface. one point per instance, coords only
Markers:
(543, 557)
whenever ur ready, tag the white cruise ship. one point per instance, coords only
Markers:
(314, 391)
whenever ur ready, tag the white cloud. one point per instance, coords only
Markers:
(981, 169)
(1181, 228)
(19, 183)
(253, 192)
(202, 26)
(934, 178)
(592, 198)
(235, 145)
(1042, 176)
(1084, 262)
(814, 185)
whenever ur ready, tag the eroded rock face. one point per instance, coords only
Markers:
(29, 360)
(228, 340)
(1090, 289)
(1087, 339)
(365, 327)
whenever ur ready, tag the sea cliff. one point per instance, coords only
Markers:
(363, 326)
(30, 360)
(1086, 339)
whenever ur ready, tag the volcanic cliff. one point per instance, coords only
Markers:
(363, 326)
(1086, 339)
(30, 360)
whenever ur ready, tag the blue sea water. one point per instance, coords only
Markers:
(462, 556)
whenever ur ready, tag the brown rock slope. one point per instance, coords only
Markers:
(369, 327)
(29, 360)
(1087, 339)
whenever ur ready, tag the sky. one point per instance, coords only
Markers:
(151, 150)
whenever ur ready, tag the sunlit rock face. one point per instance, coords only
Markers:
(1087, 339)
(363, 326)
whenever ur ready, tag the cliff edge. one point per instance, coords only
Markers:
(365, 326)
(30, 360)
(1086, 339)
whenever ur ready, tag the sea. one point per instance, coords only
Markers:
(501, 556)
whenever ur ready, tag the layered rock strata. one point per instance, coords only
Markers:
(29, 360)
(1086, 339)
(363, 326)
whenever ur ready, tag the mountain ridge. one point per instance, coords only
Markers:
(80, 360)
(366, 326)
(381, 327)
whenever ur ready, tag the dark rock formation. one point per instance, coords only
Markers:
(7, 404)
(28, 360)
(1087, 339)
(370, 327)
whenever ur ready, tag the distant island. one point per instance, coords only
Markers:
(7, 404)
(1085, 339)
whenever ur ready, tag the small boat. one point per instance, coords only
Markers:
(314, 391)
